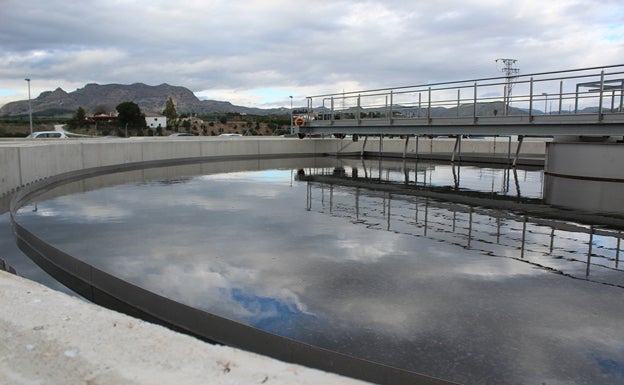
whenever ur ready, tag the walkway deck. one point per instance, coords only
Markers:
(579, 102)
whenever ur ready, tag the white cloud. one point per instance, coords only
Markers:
(230, 50)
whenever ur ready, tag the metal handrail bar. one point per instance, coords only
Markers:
(474, 80)
(458, 101)
(459, 86)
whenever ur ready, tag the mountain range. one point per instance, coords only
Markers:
(96, 98)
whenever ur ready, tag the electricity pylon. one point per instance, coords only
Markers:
(510, 73)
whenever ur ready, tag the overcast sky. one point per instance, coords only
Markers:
(258, 53)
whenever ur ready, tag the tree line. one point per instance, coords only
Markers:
(131, 119)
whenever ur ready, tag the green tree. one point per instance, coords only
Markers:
(170, 110)
(79, 119)
(130, 115)
(100, 109)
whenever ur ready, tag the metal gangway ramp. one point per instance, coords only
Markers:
(579, 102)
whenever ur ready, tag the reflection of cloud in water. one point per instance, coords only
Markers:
(96, 211)
(418, 302)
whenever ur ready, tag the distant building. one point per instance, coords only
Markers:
(102, 118)
(156, 121)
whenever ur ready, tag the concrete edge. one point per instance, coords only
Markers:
(51, 337)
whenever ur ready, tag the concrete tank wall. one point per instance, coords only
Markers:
(586, 176)
(586, 160)
(25, 161)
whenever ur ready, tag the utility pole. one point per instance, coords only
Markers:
(510, 73)
(29, 106)
(292, 130)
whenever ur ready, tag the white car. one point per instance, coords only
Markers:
(47, 134)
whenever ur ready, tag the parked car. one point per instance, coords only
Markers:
(47, 134)
(181, 134)
(230, 135)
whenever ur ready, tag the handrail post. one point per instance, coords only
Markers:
(391, 101)
(621, 97)
(331, 111)
(458, 97)
(560, 95)
(359, 106)
(601, 95)
(429, 106)
(505, 101)
(419, 104)
(386, 107)
(531, 100)
(474, 105)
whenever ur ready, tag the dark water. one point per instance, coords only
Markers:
(467, 293)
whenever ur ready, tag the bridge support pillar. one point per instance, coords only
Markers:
(456, 148)
(520, 140)
(364, 146)
(405, 147)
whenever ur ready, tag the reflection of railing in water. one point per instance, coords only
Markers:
(418, 173)
(552, 244)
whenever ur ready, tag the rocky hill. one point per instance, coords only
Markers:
(98, 99)
(104, 98)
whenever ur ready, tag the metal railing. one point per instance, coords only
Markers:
(586, 91)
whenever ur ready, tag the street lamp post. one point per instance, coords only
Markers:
(291, 116)
(29, 106)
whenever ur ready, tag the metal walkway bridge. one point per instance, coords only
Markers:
(579, 102)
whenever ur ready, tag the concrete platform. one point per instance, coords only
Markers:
(49, 337)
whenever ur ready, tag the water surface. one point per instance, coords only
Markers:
(466, 293)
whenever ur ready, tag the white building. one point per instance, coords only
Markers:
(156, 121)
